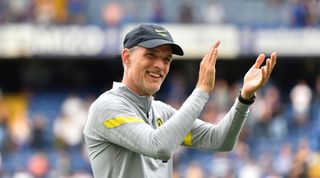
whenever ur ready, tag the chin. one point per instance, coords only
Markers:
(152, 91)
(152, 88)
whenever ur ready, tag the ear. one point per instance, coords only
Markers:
(125, 56)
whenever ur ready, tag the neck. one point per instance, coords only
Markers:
(133, 88)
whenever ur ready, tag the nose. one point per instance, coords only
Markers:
(159, 63)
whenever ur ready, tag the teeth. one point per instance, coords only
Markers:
(154, 74)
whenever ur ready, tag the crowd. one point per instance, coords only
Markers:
(287, 13)
(41, 133)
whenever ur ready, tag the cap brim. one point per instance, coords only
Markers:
(176, 49)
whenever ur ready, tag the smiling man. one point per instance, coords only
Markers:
(131, 135)
(147, 68)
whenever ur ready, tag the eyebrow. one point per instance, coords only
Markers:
(156, 52)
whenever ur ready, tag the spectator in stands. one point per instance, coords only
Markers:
(158, 12)
(278, 128)
(77, 12)
(176, 88)
(4, 132)
(260, 119)
(210, 113)
(299, 14)
(250, 169)
(265, 163)
(300, 97)
(44, 12)
(186, 14)
(213, 13)
(318, 14)
(48, 12)
(69, 125)
(61, 11)
(300, 166)
(38, 165)
(19, 124)
(220, 96)
(194, 170)
(38, 137)
(130, 12)
(313, 6)
(81, 174)
(283, 160)
(61, 167)
(3, 11)
(268, 120)
(221, 165)
(21, 174)
(314, 165)
(316, 100)
(239, 155)
(19, 10)
(112, 17)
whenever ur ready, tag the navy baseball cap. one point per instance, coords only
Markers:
(150, 36)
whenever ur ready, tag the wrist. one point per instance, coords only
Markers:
(207, 90)
(246, 98)
(246, 95)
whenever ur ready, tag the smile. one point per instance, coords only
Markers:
(154, 74)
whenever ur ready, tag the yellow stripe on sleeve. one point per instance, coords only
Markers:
(188, 139)
(117, 121)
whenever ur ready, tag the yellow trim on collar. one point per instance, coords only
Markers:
(188, 139)
(117, 121)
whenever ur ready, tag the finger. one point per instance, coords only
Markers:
(211, 51)
(273, 59)
(214, 53)
(264, 75)
(272, 62)
(269, 68)
(214, 56)
(206, 57)
(216, 44)
(259, 61)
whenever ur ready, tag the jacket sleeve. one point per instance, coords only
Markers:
(222, 136)
(118, 124)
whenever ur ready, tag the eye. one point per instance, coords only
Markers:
(151, 55)
(168, 60)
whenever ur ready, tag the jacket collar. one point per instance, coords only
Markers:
(143, 102)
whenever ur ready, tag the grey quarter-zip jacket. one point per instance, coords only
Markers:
(132, 136)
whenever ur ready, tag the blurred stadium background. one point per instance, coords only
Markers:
(57, 56)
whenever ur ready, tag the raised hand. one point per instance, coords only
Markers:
(258, 75)
(207, 71)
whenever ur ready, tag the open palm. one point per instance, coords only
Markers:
(258, 75)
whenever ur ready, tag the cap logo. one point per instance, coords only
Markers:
(162, 32)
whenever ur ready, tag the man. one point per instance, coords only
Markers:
(131, 135)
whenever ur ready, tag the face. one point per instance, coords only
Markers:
(146, 69)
